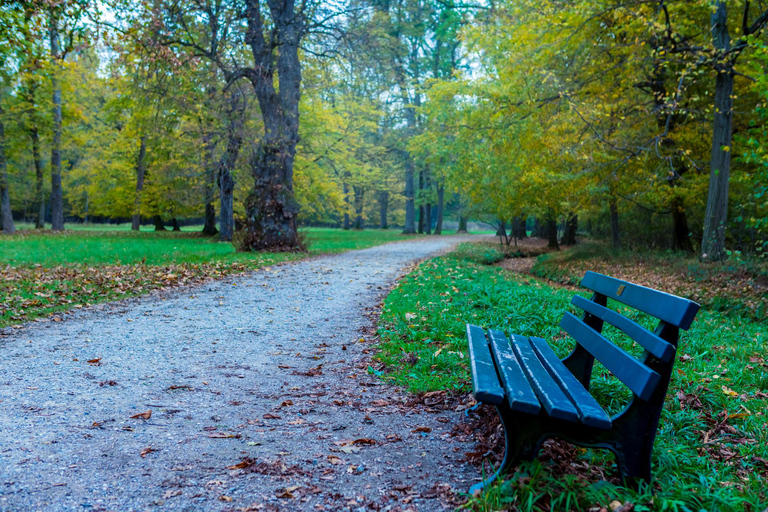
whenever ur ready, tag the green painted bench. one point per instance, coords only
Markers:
(539, 396)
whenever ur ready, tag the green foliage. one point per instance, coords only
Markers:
(711, 446)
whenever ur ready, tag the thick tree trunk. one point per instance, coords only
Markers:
(615, 232)
(359, 197)
(462, 225)
(716, 216)
(209, 185)
(57, 197)
(383, 206)
(346, 223)
(440, 210)
(569, 233)
(6, 215)
(39, 178)
(552, 234)
(175, 224)
(682, 239)
(159, 225)
(141, 170)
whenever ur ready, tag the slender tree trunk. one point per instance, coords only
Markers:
(141, 170)
(159, 225)
(209, 186)
(226, 166)
(39, 178)
(57, 197)
(518, 228)
(440, 209)
(615, 232)
(6, 215)
(346, 223)
(410, 207)
(716, 216)
(359, 196)
(175, 224)
(383, 206)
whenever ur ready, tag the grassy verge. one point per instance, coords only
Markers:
(46, 273)
(711, 452)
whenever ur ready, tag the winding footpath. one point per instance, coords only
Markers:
(249, 393)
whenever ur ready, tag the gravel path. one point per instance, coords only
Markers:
(258, 393)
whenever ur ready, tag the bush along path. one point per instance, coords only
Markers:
(711, 450)
(249, 393)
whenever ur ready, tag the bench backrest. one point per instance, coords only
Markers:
(640, 376)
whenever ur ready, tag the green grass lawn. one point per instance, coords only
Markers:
(47, 273)
(711, 452)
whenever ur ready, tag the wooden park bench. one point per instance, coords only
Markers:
(538, 396)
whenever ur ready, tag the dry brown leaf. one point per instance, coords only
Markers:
(146, 451)
(95, 362)
(223, 435)
(143, 415)
(426, 430)
(224, 497)
(270, 416)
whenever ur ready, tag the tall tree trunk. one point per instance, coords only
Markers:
(440, 209)
(271, 208)
(159, 225)
(569, 233)
(421, 204)
(716, 216)
(6, 215)
(39, 178)
(209, 185)
(227, 163)
(359, 196)
(518, 228)
(141, 170)
(383, 206)
(175, 224)
(346, 223)
(462, 225)
(410, 207)
(57, 197)
(552, 233)
(615, 232)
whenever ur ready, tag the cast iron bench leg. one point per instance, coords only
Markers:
(517, 446)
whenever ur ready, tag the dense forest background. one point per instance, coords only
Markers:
(642, 122)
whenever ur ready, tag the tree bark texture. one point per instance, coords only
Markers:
(518, 228)
(716, 216)
(57, 197)
(440, 210)
(462, 225)
(271, 208)
(552, 234)
(141, 169)
(227, 162)
(6, 215)
(175, 224)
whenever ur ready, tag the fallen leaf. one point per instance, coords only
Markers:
(243, 464)
(224, 497)
(364, 440)
(728, 391)
(223, 435)
(95, 362)
(426, 430)
(143, 415)
(270, 416)
(147, 450)
(334, 460)
(171, 493)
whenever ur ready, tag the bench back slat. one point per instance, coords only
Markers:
(669, 308)
(634, 374)
(649, 341)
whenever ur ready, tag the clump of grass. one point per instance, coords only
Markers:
(711, 451)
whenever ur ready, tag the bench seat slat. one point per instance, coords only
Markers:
(634, 374)
(589, 410)
(669, 308)
(555, 402)
(649, 341)
(519, 393)
(485, 382)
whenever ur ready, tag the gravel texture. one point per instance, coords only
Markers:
(259, 400)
